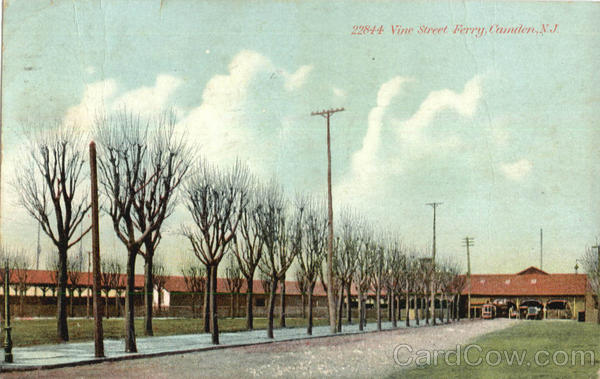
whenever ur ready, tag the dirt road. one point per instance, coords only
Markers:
(367, 355)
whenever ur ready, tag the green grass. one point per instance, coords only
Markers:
(43, 331)
(529, 337)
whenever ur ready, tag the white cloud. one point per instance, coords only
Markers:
(215, 124)
(464, 103)
(297, 79)
(149, 100)
(95, 99)
(516, 170)
(363, 160)
(375, 165)
(90, 70)
(101, 96)
(254, 91)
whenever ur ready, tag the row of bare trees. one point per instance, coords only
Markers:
(142, 167)
(141, 164)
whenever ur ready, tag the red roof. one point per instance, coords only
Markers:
(177, 284)
(41, 277)
(529, 282)
(173, 284)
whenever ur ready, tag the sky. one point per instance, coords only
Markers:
(501, 128)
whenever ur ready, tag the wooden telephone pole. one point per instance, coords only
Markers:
(98, 331)
(468, 242)
(434, 205)
(330, 298)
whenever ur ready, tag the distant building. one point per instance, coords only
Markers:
(566, 296)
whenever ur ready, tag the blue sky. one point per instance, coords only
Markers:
(502, 129)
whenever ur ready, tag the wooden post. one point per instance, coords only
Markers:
(8, 356)
(98, 332)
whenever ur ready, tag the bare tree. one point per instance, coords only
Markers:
(302, 287)
(265, 281)
(458, 285)
(21, 264)
(50, 187)
(312, 255)
(159, 279)
(409, 286)
(168, 162)
(74, 275)
(233, 281)
(279, 231)
(216, 200)
(395, 275)
(110, 273)
(248, 249)
(52, 265)
(364, 269)
(345, 262)
(448, 281)
(194, 277)
(377, 275)
(591, 264)
(137, 166)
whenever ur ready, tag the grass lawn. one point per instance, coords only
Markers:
(549, 338)
(43, 331)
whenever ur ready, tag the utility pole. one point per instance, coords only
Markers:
(98, 331)
(434, 205)
(8, 356)
(330, 298)
(468, 242)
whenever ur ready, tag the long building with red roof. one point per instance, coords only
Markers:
(555, 295)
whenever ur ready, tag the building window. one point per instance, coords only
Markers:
(260, 302)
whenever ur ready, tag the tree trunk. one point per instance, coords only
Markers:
(148, 292)
(193, 305)
(61, 301)
(206, 305)
(231, 305)
(388, 299)
(282, 304)
(417, 313)
(22, 302)
(70, 304)
(378, 300)
(213, 307)
(340, 308)
(249, 305)
(303, 298)
(361, 306)
(432, 305)
(271, 308)
(407, 308)
(130, 345)
(349, 303)
(425, 308)
(458, 307)
(106, 305)
(393, 309)
(310, 310)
